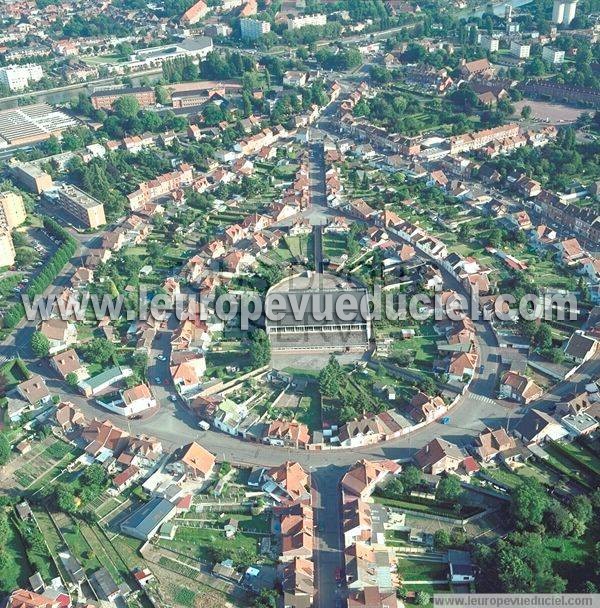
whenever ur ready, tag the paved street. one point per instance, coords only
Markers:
(328, 553)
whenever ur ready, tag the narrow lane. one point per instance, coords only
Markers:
(328, 554)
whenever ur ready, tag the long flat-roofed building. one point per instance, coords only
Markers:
(104, 98)
(32, 124)
(84, 207)
(325, 317)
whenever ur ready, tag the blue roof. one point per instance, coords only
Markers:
(148, 517)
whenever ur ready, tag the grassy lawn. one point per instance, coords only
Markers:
(583, 458)
(199, 542)
(422, 347)
(309, 409)
(334, 245)
(430, 590)
(300, 246)
(15, 571)
(433, 509)
(416, 570)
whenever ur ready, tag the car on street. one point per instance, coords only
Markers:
(173, 398)
(161, 358)
(157, 380)
(445, 420)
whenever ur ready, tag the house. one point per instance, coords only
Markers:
(194, 461)
(229, 415)
(129, 402)
(460, 566)
(297, 583)
(287, 433)
(360, 209)
(520, 388)
(68, 362)
(61, 334)
(580, 347)
(537, 426)
(22, 598)
(238, 262)
(578, 424)
(462, 366)
(424, 408)
(68, 417)
(188, 374)
(480, 68)
(439, 456)
(82, 277)
(357, 519)
(104, 435)
(34, 390)
(372, 597)
(362, 477)
(287, 482)
(296, 523)
(125, 479)
(490, 443)
(570, 251)
(145, 521)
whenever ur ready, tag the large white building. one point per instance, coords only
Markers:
(253, 29)
(519, 49)
(563, 12)
(552, 55)
(295, 23)
(18, 77)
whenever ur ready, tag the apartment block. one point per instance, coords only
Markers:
(489, 43)
(295, 23)
(553, 56)
(253, 29)
(161, 186)
(12, 210)
(479, 139)
(18, 77)
(104, 99)
(519, 49)
(32, 177)
(7, 249)
(88, 210)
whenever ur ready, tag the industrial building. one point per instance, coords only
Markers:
(32, 124)
(333, 317)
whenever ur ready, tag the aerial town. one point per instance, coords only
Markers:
(184, 187)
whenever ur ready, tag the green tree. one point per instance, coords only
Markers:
(126, 107)
(40, 344)
(260, 348)
(411, 477)
(331, 378)
(529, 502)
(99, 350)
(72, 379)
(4, 449)
(526, 112)
(448, 488)
(441, 539)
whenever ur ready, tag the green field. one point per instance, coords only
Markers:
(420, 570)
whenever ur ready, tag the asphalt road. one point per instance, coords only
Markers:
(328, 554)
